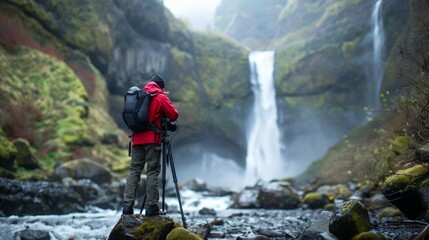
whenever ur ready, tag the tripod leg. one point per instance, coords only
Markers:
(173, 172)
(144, 201)
(164, 173)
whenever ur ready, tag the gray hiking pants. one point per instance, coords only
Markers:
(141, 154)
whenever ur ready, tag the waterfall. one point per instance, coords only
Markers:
(378, 47)
(263, 144)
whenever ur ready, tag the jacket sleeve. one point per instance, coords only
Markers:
(169, 109)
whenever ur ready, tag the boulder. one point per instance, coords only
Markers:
(84, 168)
(390, 214)
(202, 229)
(110, 138)
(423, 192)
(182, 234)
(321, 224)
(24, 156)
(7, 154)
(278, 195)
(401, 189)
(316, 200)
(6, 173)
(339, 191)
(37, 198)
(349, 219)
(196, 184)
(29, 234)
(318, 236)
(268, 232)
(319, 229)
(217, 222)
(105, 196)
(370, 236)
(400, 144)
(247, 198)
(140, 227)
(207, 211)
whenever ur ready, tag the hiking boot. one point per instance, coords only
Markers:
(127, 210)
(153, 210)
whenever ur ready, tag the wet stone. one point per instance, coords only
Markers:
(207, 211)
(29, 234)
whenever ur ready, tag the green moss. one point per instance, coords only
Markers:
(404, 177)
(401, 143)
(316, 200)
(329, 207)
(390, 212)
(425, 183)
(182, 234)
(8, 154)
(154, 228)
(369, 236)
(349, 48)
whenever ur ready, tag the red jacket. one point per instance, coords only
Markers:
(160, 105)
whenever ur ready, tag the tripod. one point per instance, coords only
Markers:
(167, 158)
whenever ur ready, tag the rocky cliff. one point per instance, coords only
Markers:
(66, 66)
(324, 83)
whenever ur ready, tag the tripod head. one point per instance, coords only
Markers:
(167, 125)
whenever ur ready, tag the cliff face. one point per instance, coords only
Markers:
(108, 47)
(324, 83)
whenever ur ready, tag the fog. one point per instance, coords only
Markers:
(198, 13)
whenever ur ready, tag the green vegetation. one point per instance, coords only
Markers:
(58, 119)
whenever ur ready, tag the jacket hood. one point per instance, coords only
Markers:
(153, 88)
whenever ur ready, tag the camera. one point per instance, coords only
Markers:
(168, 125)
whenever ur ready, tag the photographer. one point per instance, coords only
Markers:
(146, 148)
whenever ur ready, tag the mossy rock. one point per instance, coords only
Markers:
(401, 179)
(349, 219)
(329, 207)
(369, 236)
(316, 200)
(390, 212)
(140, 227)
(402, 190)
(8, 154)
(339, 191)
(154, 228)
(25, 157)
(84, 169)
(400, 144)
(278, 195)
(182, 234)
(6, 173)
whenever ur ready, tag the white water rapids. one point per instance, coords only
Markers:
(263, 159)
(97, 223)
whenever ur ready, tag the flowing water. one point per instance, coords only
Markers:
(378, 47)
(263, 147)
(97, 223)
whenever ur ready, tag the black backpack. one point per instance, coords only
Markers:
(136, 110)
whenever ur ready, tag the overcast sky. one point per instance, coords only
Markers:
(199, 13)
